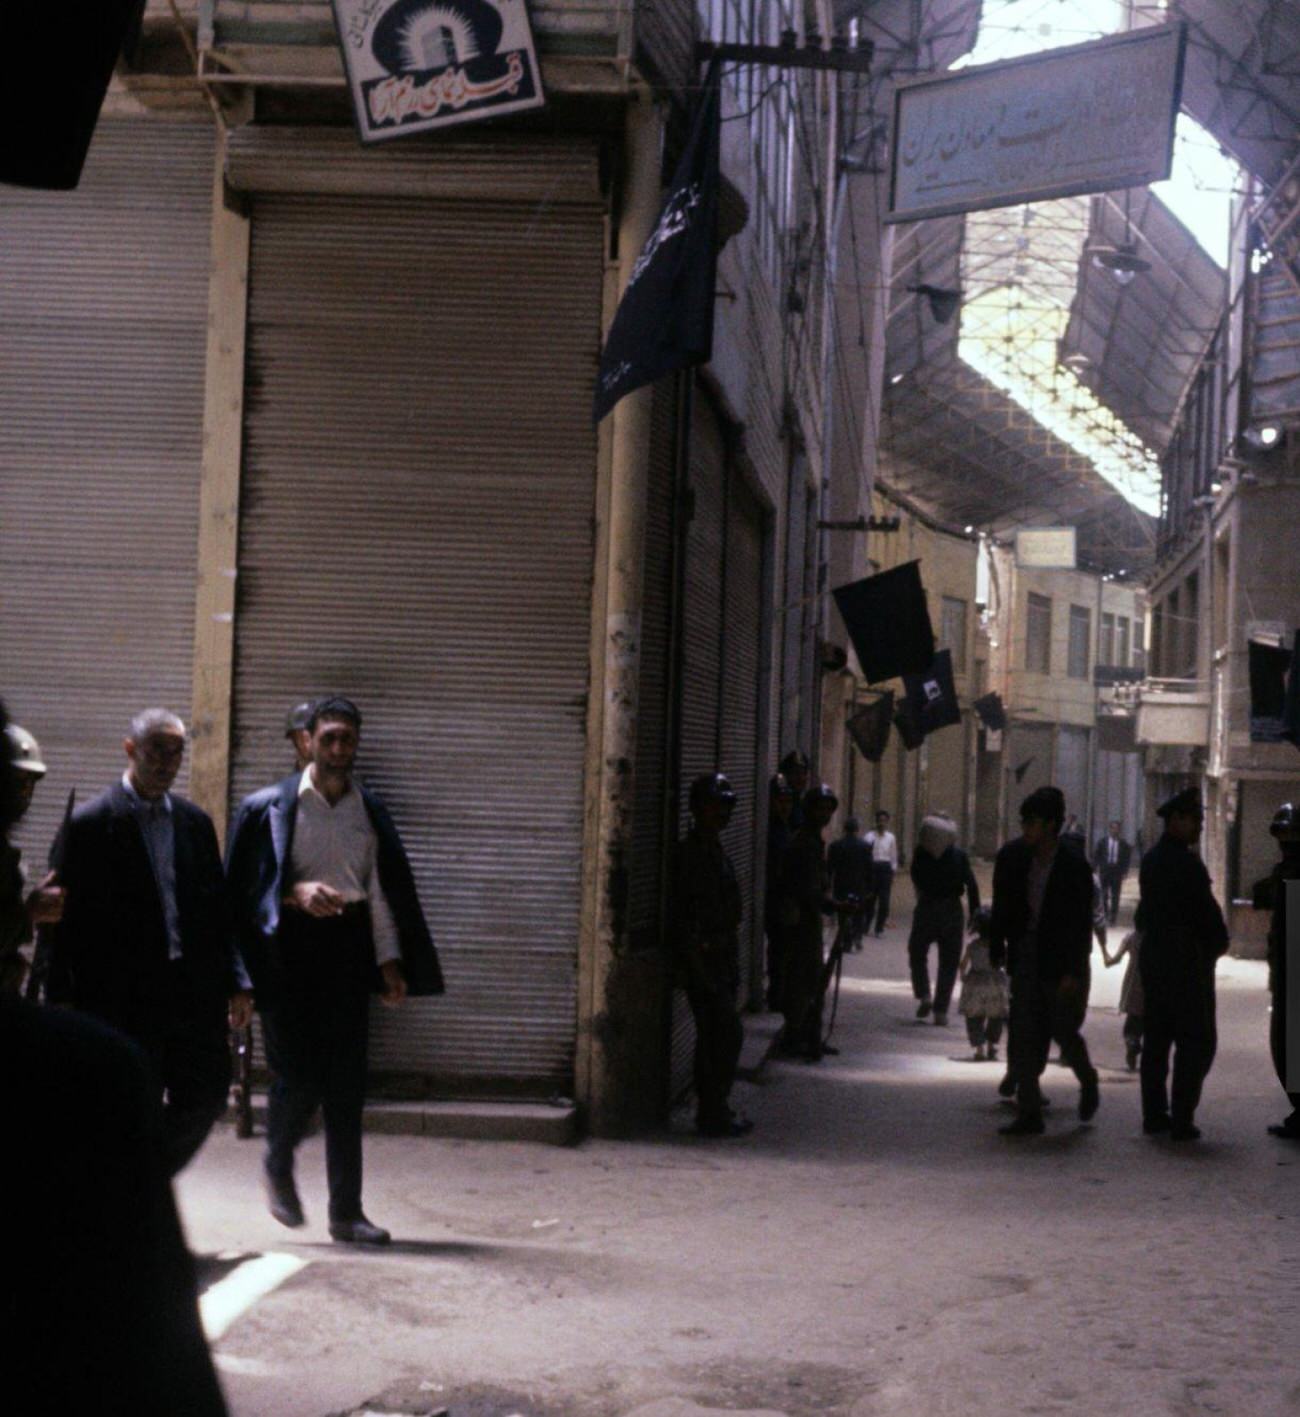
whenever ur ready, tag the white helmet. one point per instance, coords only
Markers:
(24, 751)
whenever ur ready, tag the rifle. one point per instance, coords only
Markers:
(832, 968)
(43, 949)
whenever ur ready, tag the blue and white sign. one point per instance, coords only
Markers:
(417, 65)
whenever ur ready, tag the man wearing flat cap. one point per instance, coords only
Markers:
(1183, 934)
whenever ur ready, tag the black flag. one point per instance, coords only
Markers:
(932, 696)
(665, 318)
(869, 727)
(1268, 665)
(889, 623)
(992, 712)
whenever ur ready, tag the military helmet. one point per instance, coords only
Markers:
(1286, 820)
(712, 787)
(779, 787)
(24, 751)
(299, 718)
(820, 792)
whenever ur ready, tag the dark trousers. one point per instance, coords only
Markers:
(1178, 1014)
(775, 958)
(1040, 1014)
(882, 883)
(935, 922)
(719, 1034)
(802, 999)
(180, 1023)
(316, 1037)
(983, 1030)
(1112, 878)
(1277, 1045)
(1133, 1032)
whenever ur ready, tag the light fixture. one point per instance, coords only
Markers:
(1076, 361)
(897, 378)
(1260, 438)
(1216, 487)
(1122, 259)
(969, 530)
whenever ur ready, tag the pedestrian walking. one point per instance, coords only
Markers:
(1111, 858)
(779, 834)
(1285, 829)
(849, 860)
(806, 902)
(326, 912)
(1130, 996)
(1042, 928)
(41, 904)
(985, 994)
(707, 911)
(1183, 936)
(941, 873)
(145, 941)
(884, 866)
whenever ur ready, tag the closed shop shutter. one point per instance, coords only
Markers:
(945, 775)
(416, 531)
(1030, 756)
(1072, 770)
(103, 328)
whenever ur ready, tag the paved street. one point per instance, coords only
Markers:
(874, 1248)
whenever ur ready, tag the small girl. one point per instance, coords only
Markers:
(985, 996)
(1130, 997)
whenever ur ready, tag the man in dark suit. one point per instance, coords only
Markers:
(1111, 859)
(326, 912)
(1042, 929)
(145, 942)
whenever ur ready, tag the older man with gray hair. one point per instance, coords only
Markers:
(145, 942)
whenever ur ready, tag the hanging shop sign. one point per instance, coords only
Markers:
(1086, 118)
(1047, 548)
(417, 65)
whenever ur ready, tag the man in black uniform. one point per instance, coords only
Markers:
(779, 832)
(707, 911)
(1286, 828)
(849, 860)
(1042, 929)
(796, 768)
(1183, 935)
(806, 900)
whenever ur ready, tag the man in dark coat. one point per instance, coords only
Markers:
(849, 862)
(1111, 858)
(1042, 930)
(1183, 935)
(145, 942)
(779, 832)
(326, 912)
(707, 911)
(1286, 829)
(940, 883)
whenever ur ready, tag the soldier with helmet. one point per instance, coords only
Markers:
(297, 730)
(1286, 829)
(805, 902)
(1183, 935)
(42, 905)
(707, 911)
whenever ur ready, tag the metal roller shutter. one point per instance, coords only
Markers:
(945, 775)
(1072, 770)
(416, 531)
(103, 327)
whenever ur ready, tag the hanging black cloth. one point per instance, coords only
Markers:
(889, 622)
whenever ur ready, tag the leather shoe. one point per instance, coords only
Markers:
(358, 1232)
(283, 1202)
(1184, 1132)
(1024, 1126)
(923, 1009)
(1007, 1087)
(1153, 1126)
(729, 1127)
(1089, 1098)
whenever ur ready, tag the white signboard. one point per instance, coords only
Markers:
(415, 65)
(1087, 118)
(1047, 548)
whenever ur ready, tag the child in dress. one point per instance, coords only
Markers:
(1130, 997)
(985, 995)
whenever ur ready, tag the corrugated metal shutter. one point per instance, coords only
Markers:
(1072, 769)
(945, 775)
(103, 327)
(1030, 755)
(417, 531)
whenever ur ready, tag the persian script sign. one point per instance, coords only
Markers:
(415, 65)
(1048, 548)
(1088, 118)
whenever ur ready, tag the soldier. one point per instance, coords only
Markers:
(849, 861)
(806, 900)
(707, 912)
(297, 729)
(1183, 935)
(779, 832)
(1286, 828)
(43, 904)
(795, 768)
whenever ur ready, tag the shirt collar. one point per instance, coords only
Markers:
(143, 804)
(307, 788)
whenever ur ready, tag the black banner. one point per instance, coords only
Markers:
(665, 318)
(869, 727)
(889, 623)
(1268, 682)
(932, 696)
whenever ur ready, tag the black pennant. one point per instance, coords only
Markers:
(665, 318)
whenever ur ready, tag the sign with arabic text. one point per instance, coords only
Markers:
(1087, 118)
(416, 65)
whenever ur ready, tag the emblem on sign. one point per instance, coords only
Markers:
(416, 65)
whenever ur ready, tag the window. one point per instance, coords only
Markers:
(1122, 642)
(952, 631)
(1191, 627)
(1078, 664)
(1106, 649)
(1171, 648)
(1038, 634)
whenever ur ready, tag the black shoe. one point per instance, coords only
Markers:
(923, 1009)
(830, 1050)
(941, 1020)
(1153, 1126)
(1184, 1131)
(725, 1127)
(1089, 1097)
(1026, 1125)
(358, 1232)
(283, 1202)
(993, 1052)
(1288, 1130)
(1131, 1056)
(1007, 1087)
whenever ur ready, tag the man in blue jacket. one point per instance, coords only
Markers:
(326, 912)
